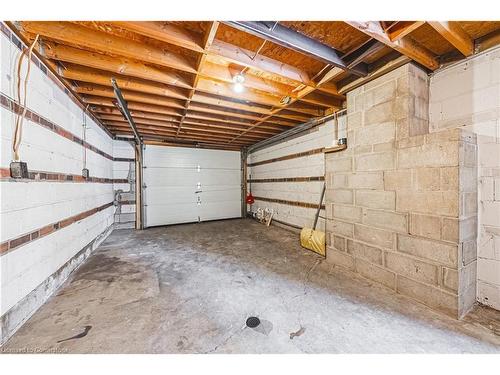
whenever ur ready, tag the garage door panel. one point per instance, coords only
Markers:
(157, 157)
(215, 177)
(186, 177)
(215, 211)
(168, 195)
(177, 213)
(171, 177)
(220, 195)
(186, 157)
(187, 185)
(218, 159)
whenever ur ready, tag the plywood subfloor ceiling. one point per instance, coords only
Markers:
(178, 78)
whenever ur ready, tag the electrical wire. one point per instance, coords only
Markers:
(20, 117)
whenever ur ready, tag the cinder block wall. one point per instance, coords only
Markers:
(396, 210)
(288, 176)
(467, 96)
(53, 220)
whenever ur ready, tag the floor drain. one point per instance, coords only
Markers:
(253, 322)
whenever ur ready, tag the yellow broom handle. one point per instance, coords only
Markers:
(319, 206)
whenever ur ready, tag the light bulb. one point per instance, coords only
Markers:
(238, 87)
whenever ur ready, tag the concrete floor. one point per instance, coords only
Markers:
(190, 288)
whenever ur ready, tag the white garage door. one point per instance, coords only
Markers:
(187, 185)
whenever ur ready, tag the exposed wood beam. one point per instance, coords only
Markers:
(212, 109)
(207, 41)
(487, 41)
(106, 113)
(261, 63)
(321, 99)
(181, 141)
(120, 65)
(406, 45)
(159, 126)
(226, 74)
(221, 102)
(74, 34)
(455, 35)
(230, 120)
(131, 68)
(330, 88)
(286, 37)
(180, 37)
(358, 55)
(225, 89)
(88, 75)
(198, 118)
(165, 32)
(109, 102)
(96, 90)
(386, 68)
(191, 134)
(198, 111)
(238, 127)
(402, 28)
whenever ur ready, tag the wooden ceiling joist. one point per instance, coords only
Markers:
(165, 32)
(401, 29)
(189, 129)
(200, 136)
(86, 38)
(455, 35)
(405, 45)
(108, 111)
(108, 102)
(207, 41)
(96, 90)
(119, 65)
(227, 73)
(83, 74)
(212, 109)
(248, 59)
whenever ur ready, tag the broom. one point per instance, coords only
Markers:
(313, 239)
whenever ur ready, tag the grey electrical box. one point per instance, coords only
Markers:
(85, 173)
(19, 169)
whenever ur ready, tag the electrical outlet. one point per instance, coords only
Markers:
(19, 169)
(85, 173)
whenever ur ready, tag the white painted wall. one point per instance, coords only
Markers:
(28, 205)
(313, 165)
(468, 95)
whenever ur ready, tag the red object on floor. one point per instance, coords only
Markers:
(250, 199)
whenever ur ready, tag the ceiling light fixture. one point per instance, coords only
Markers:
(238, 80)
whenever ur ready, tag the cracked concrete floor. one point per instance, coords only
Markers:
(190, 288)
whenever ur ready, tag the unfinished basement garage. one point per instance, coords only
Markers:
(250, 187)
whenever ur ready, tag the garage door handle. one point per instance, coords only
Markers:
(198, 192)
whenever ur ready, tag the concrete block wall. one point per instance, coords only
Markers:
(467, 96)
(396, 210)
(292, 171)
(52, 221)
